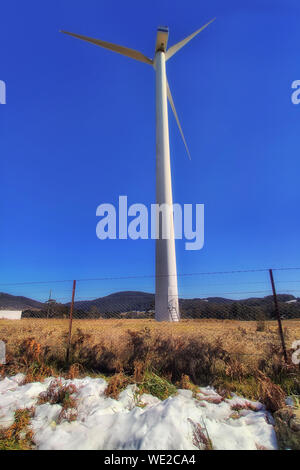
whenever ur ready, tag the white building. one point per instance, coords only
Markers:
(11, 314)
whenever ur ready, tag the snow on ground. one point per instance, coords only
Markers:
(106, 423)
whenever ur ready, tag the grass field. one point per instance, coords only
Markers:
(225, 353)
(236, 336)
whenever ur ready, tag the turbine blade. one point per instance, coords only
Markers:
(133, 54)
(179, 45)
(176, 117)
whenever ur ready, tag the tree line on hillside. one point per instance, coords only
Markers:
(222, 309)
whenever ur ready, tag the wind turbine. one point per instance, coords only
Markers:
(166, 290)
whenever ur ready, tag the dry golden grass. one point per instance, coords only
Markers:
(225, 353)
(238, 337)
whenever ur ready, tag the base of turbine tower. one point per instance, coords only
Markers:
(167, 306)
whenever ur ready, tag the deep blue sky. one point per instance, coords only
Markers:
(78, 130)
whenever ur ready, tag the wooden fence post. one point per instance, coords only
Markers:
(278, 316)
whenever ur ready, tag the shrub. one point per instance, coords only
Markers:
(157, 386)
(235, 369)
(116, 384)
(201, 438)
(191, 356)
(18, 436)
(271, 394)
(74, 371)
(185, 383)
(59, 393)
(260, 322)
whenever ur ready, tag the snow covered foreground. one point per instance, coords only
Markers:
(105, 423)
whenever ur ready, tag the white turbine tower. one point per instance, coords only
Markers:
(166, 291)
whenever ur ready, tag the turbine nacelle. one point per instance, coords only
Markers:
(162, 39)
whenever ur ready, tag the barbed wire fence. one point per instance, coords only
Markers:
(254, 295)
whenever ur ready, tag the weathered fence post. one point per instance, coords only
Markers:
(278, 316)
(70, 322)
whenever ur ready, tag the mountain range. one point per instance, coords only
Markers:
(128, 304)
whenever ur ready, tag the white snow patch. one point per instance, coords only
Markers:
(106, 423)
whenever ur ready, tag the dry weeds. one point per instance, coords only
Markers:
(224, 353)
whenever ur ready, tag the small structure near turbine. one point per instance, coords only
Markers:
(11, 314)
(50, 302)
(166, 290)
